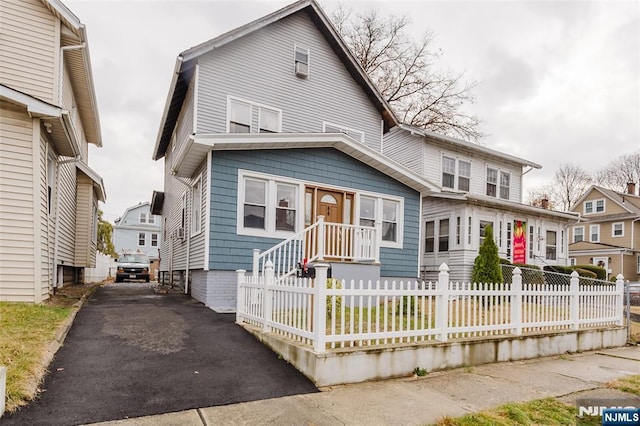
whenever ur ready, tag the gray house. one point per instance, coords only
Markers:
(272, 139)
(139, 231)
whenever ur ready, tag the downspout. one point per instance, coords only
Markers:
(56, 232)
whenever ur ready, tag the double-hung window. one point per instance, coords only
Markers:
(285, 207)
(464, 175)
(142, 218)
(551, 245)
(436, 230)
(430, 237)
(617, 229)
(250, 117)
(239, 116)
(301, 61)
(389, 220)
(594, 206)
(196, 207)
(492, 182)
(448, 172)
(154, 240)
(142, 239)
(483, 227)
(594, 232)
(505, 180)
(385, 211)
(367, 211)
(443, 235)
(578, 233)
(255, 204)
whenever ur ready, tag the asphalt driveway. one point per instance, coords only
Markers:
(134, 351)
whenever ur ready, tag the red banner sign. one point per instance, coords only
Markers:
(519, 241)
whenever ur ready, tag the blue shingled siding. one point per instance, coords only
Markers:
(230, 251)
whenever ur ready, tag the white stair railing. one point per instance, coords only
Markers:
(320, 241)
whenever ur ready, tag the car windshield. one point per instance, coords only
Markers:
(133, 258)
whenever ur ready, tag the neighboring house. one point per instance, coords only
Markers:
(267, 131)
(608, 234)
(48, 194)
(139, 231)
(480, 187)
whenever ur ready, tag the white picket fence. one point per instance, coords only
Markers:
(340, 314)
(105, 268)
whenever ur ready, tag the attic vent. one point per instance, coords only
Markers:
(301, 62)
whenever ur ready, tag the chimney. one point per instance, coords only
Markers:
(544, 203)
(631, 188)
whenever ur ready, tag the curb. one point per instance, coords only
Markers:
(53, 347)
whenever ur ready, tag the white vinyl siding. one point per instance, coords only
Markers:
(305, 103)
(28, 36)
(405, 148)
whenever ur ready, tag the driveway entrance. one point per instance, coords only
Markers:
(134, 351)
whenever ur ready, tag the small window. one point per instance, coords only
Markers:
(600, 206)
(239, 116)
(509, 240)
(588, 207)
(151, 219)
(572, 261)
(51, 176)
(492, 182)
(301, 62)
(254, 204)
(578, 233)
(483, 227)
(196, 207)
(269, 120)
(448, 172)
(617, 229)
(638, 268)
(443, 236)
(429, 240)
(531, 233)
(594, 232)
(154, 240)
(142, 239)
(458, 230)
(143, 218)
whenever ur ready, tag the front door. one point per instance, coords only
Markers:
(329, 206)
(336, 207)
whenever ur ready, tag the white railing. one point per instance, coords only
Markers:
(338, 314)
(320, 241)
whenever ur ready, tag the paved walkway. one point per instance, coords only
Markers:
(425, 400)
(133, 351)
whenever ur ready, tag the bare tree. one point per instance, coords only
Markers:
(404, 72)
(569, 183)
(540, 198)
(620, 171)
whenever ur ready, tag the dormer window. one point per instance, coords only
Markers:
(301, 62)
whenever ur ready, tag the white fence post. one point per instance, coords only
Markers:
(320, 308)
(516, 302)
(266, 295)
(321, 239)
(442, 304)
(240, 280)
(620, 299)
(574, 289)
(256, 264)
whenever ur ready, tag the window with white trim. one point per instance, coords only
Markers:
(51, 178)
(531, 234)
(243, 115)
(594, 206)
(456, 170)
(573, 261)
(578, 233)
(151, 219)
(617, 229)
(154, 239)
(594, 233)
(390, 215)
(142, 218)
(429, 237)
(336, 128)
(286, 207)
(196, 207)
(255, 204)
(505, 182)
(443, 235)
(367, 211)
(142, 239)
(492, 182)
(482, 230)
(94, 223)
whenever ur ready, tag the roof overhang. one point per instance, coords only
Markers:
(184, 66)
(57, 122)
(192, 153)
(157, 201)
(98, 185)
(456, 143)
(507, 205)
(76, 56)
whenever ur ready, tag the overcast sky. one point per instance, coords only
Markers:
(558, 81)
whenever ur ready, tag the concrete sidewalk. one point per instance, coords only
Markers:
(427, 399)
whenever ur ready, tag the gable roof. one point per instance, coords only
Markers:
(185, 63)
(128, 209)
(78, 63)
(620, 198)
(468, 146)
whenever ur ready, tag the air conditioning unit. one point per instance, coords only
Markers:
(180, 233)
(302, 69)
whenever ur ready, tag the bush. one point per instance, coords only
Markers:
(486, 267)
(600, 272)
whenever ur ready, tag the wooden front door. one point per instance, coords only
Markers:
(336, 207)
(329, 206)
